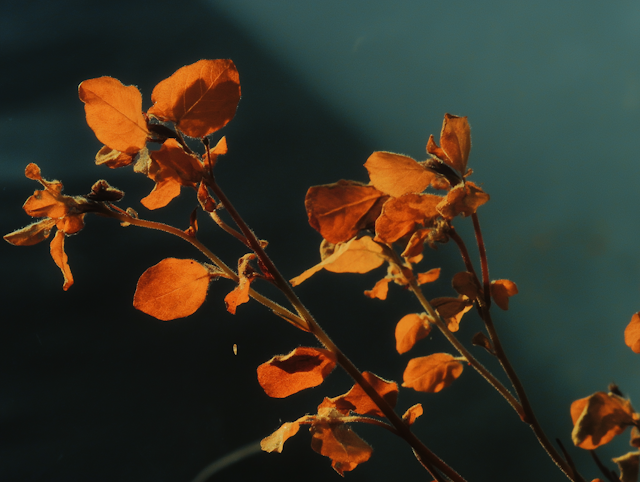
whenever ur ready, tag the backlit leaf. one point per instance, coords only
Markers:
(452, 310)
(396, 175)
(403, 215)
(598, 418)
(173, 288)
(246, 275)
(32, 234)
(339, 211)
(501, 291)
(355, 256)
(632, 333)
(114, 113)
(304, 367)
(462, 199)
(410, 329)
(200, 98)
(629, 465)
(112, 158)
(431, 373)
(275, 441)
(380, 289)
(61, 259)
(412, 414)
(428, 277)
(455, 140)
(361, 402)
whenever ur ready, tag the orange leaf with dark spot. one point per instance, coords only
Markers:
(396, 175)
(632, 333)
(401, 216)
(410, 329)
(600, 417)
(361, 402)
(431, 373)
(200, 98)
(173, 288)
(339, 211)
(502, 290)
(114, 113)
(304, 367)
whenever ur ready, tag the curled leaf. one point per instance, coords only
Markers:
(629, 465)
(412, 414)
(465, 284)
(275, 441)
(502, 290)
(380, 289)
(32, 234)
(455, 141)
(61, 259)
(173, 288)
(452, 310)
(431, 373)
(304, 367)
(632, 333)
(464, 199)
(360, 402)
(240, 293)
(429, 277)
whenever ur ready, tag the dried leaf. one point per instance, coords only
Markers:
(339, 211)
(502, 290)
(304, 367)
(465, 284)
(396, 175)
(598, 418)
(455, 140)
(114, 113)
(61, 259)
(629, 465)
(380, 289)
(173, 288)
(412, 414)
(32, 234)
(112, 158)
(338, 442)
(200, 98)
(361, 402)
(462, 199)
(632, 333)
(431, 373)
(429, 277)
(355, 256)
(275, 441)
(246, 275)
(451, 310)
(410, 329)
(402, 216)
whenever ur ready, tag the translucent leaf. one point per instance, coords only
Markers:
(173, 288)
(401, 216)
(32, 234)
(112, 158)
(431, 373)
(455, 140)
(45, 204)
(412, 414)
(410, 329)
(338, 442)
(632, 333)
(380, 289)
(629, 465)
(304, 367)
(355, 256)
(61, 259)
(114, 113)
(360, 401)
(339, 211)
(396, 175)
(451, 310)
(275, 441)
(501, 291)
(598, 418)
(200, 98)
(428, 277)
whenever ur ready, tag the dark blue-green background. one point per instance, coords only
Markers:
(91, 389)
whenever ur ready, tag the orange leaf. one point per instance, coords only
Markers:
(173, 288)
(304, 367)
(112, 158)
(451, 310)
(61, 259)
(31, 234)
(361, 402)
(396, 175)
(401, 216)
(380, 289)
(462, 199)
(429, 277)
(275, 441)
(246, 275)
(410, 329)
(502, 290)
(162, 194)
(632, 333)
(629, 466)
(412, 413)
(355, 256)
(431, 373)
(598, 418)
(455, 140)
(114, 113)
(339, 211)
(200, 98)
(338, 442)
(46, 204)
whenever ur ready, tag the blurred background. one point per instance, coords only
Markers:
(92, 389)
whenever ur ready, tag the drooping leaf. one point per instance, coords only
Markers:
(465, 283)
(240, 293)
(304, 367)
(502, 290)
(410, 329)
(395, 174)
(114, 113)
(452, 310)
(173, 288)
(113, 158)
(431, 373)
(416, 243)
(428, 277)
(32, 234)
(380, 289)
(462, 199)
(403, 215)
(339, 211)
(629, 465)
(354, 256)
(598, 418)
(632, 333)
(61, 259)
(338, 442)
(412, 414)
(200, 98)
(275, 441)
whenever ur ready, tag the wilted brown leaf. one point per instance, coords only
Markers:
(240, 293)
(173, 288)
(431, 373)
(200, 98)
(632, 333)
(339, 211)
(462, 199)
(410, 329)
(455, 139)
(114, 113)
(629, 465)
(395, 174)
(501, 291)
(465, 284)
(304, 367)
